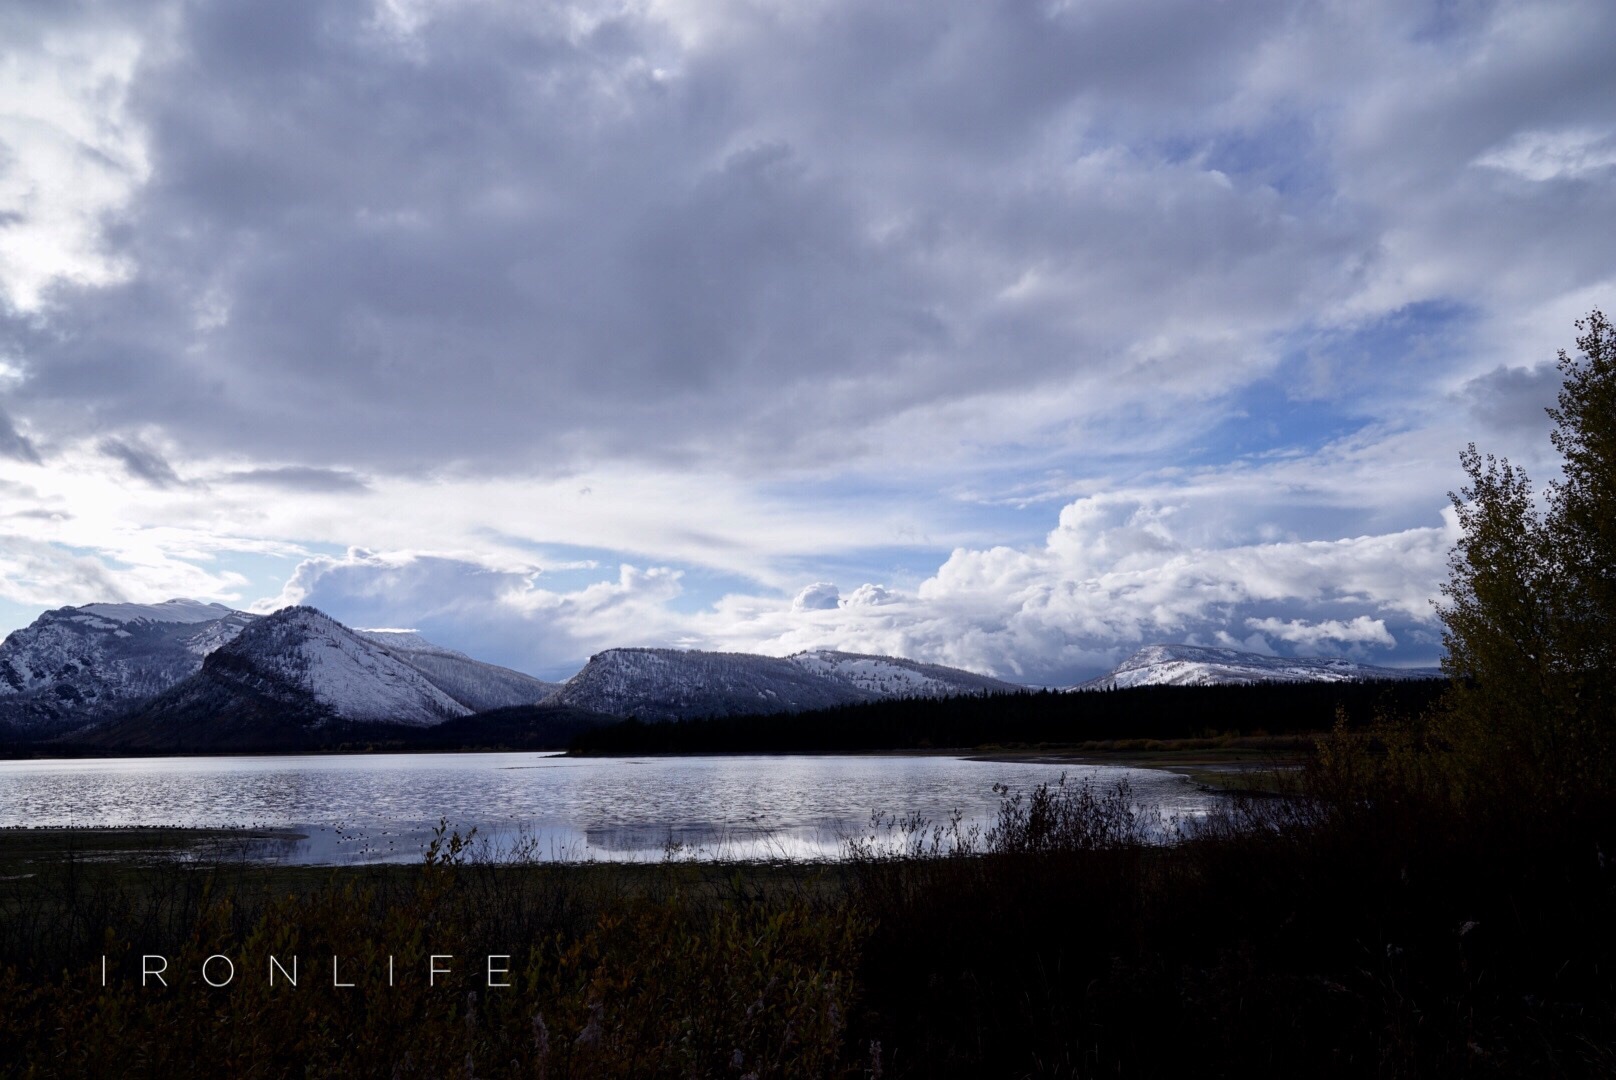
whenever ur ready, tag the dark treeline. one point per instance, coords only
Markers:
(1031, 719)
(1043, 718)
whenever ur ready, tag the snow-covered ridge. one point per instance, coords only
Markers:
(406, 641)
(676, 684)
(1198, 665)
(75, 665)
(477, 685)
(891, 676)
(291, 674)
(344, 673)
(169, 611)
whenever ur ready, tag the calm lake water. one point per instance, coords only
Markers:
(383, 808)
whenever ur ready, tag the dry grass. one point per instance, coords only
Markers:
(1329, 934)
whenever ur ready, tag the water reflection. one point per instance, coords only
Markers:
(334, 809)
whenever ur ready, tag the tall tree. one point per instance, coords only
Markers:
(1530, 617)
(1582, 507)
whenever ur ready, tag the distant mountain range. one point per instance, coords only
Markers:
(196, 676)
(189, 675)
(129, 675)
(675, 684)
(1198, 665)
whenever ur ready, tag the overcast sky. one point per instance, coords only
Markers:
(1008, 335)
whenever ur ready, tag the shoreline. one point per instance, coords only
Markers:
(1252, 766)
(24, 845)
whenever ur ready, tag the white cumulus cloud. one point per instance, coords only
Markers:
(820, 596)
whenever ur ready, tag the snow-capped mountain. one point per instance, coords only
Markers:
(305, 665)
(75, 665)
(474, 684)
(891, 676)
(675, 684)
(1198, 665)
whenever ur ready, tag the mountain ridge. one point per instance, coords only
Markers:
(137, 674)
(126, 673)
(476, 684)
(74, 666)
(1163, 664)
(683, 684)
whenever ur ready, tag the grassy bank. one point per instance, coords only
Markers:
(1286, 938)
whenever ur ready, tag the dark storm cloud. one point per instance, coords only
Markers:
(1513, 399)
(141, 462)
(460, 254)
(503, 240)
(300, 478)
(14, 444)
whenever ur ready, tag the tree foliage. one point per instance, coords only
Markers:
(1582, 509)
(1530, 612)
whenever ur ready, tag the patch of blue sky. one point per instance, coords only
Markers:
(1264, 418)
(935, 512)
(14, 616)
(491, 641)
(265, 574)
(1284, 154)
(1331, 383)
(1398, 351)
(1016, 519)
(702, 587)
(1001, 509)
(901, 568)
(571, 567)
(567, 566)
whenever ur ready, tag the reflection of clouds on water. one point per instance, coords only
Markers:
(384, 808)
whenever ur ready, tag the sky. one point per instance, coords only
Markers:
(1006, 335)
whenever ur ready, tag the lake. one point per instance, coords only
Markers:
(384, 807)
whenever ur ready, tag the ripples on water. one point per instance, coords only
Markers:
(384, 807)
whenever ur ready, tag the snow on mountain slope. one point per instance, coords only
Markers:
(891, 676)
(169, 611)
(1196, 665)
(75, 665)
(673, 684)
(474, 684)
(342, 673)
(676, 684)
(403, 641)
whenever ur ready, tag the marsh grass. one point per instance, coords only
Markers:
(654, 971)
(1362, 926)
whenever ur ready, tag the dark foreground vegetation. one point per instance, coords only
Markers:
(1319, 936)
(1436, 896)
